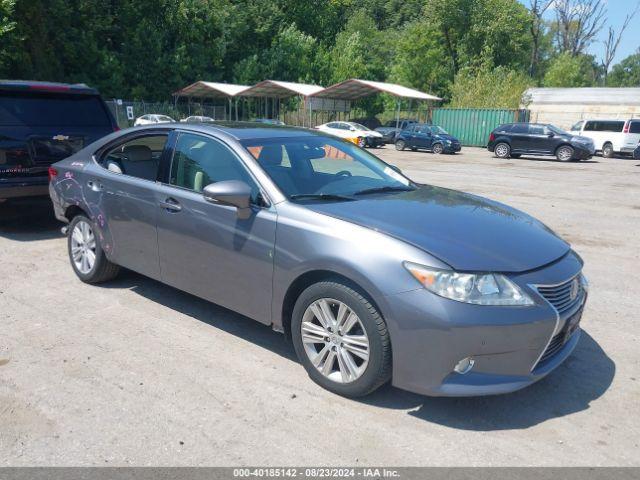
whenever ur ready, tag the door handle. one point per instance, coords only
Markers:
(171, 205)
(95, 186)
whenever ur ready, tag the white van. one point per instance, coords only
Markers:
(610, 136)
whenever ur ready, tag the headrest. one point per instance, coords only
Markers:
(137, 153)
(270, 155)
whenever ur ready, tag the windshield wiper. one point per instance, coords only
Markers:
(384, 190)
(320, 196)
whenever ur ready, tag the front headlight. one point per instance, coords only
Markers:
(479, 289)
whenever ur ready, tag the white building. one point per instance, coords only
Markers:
(565, 106)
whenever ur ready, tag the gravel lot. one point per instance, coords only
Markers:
(137, 373)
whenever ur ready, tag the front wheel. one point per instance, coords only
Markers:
(437, 148)
(400, 145)
(85, 252)
(341, 339)
(361, 142)
(564, 153)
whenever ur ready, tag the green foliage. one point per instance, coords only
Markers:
(147, 49)
(487, 87)
(566, 70)
(626, 73)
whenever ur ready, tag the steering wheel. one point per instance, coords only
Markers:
(344, 173)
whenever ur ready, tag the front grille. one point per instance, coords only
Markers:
(557, 342)
(564, 296)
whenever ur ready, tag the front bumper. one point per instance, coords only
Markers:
(452, 148)
(583, 152)
(25, 187)
(431, 334)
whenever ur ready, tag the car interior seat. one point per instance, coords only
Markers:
(270, 158)
(138, 161)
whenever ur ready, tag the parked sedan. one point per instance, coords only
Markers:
(197, 119)
(421, 136)
(372, 276)
(152, 119)
(392, 128)
(515, 139)
(354, 132)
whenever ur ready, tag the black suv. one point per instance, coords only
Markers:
(40, 124)
(515, 139)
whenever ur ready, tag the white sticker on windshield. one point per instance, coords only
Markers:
(395, 175)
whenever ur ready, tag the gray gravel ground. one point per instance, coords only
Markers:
(137, 373)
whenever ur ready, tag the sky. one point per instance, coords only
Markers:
(616, 12)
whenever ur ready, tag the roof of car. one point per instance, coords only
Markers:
(32, 85)
(243, 130)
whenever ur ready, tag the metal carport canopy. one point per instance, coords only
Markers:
(278, 89)
(355, 88)
(202, 89)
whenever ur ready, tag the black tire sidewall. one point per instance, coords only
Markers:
(604, 150)
(100, 257)
(338, 291)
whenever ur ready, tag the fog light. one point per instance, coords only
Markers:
(464, 366)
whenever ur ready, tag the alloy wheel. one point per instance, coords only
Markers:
(83, 247)
(502, 150)
(437, 148)
(361, 142)
(565, 154)
(335, 340)
(400, 145)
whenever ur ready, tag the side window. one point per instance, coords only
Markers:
(536, 129)
(634, 127)
(426, 130)
(519, 128)
(199, 161)
(139, 157)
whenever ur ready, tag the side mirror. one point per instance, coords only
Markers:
(551, 134)
(395, 168)
(233, 193)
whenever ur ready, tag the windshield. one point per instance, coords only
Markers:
(439, 130)
(312, 167)
(557, 130)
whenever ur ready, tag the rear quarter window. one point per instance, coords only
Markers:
(35, 109)
(634, 127)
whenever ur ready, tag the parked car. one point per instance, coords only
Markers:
(269, 121)
(420, 136)
(358, 134)
(152, 118)
(610, 136)
(42, 123)
(372, 276)
(197, 119)
(515, 139)
(392, 128)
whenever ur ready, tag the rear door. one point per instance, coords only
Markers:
(41, 128)
(519, 134)
(632, 136)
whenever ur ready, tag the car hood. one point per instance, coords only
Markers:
(439, 136)
(465, 231)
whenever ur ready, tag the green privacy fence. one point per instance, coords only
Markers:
(472, 126)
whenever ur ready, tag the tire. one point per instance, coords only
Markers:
(82, 235)
(502, 150)
(400, 145)
(564, 153)
(607, 150)
(362, 142)
(437, 148)
(345, 373)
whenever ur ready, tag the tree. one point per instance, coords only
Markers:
(626, 73)
(418, 61)
(6, 25)
(536, 27)
(487, 87)
(571, 71)
(613, 41)
(577, 23)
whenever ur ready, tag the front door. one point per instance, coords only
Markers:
(541, 140)
(423, 136)
(204, 247)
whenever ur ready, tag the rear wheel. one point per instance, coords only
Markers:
(361, 142)
(341, 339)
(607, 150)
(437, 148)
(564, 153)
(400, 145)
(502, 150)
(85, 252)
